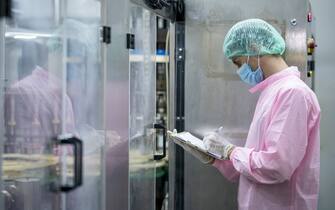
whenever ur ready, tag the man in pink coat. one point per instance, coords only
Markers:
(33, 113)
(278, 168)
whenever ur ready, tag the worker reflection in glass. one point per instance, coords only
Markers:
(278, 168)
(34, 104)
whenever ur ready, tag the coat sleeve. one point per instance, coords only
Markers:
(285, 142)
(227, 169)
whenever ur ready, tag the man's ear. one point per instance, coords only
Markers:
(253, 62)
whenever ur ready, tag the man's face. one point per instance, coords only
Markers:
(239, 61)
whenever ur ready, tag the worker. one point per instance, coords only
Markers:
(278, 168)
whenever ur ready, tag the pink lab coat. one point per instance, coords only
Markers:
(278, 169)
(33, 112)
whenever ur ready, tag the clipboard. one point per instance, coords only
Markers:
(194, 142)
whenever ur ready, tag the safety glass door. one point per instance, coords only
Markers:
(52, 132)
(142, 171)
(83, 78)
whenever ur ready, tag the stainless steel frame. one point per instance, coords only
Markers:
(311, 33)
(121, 101)
(104, 66)
(2, 77)
(171, 116)
(165, 13)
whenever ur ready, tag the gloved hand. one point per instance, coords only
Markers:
(217, 143)
(203, 157)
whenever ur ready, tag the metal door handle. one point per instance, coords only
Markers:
(9, 199)
(78, 162)
(161, 156)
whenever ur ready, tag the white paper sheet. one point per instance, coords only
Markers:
(194, 142)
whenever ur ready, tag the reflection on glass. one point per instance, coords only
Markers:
(33, 111)
(142, 111)
(52, 86)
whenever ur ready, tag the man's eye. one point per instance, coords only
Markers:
(237, 64)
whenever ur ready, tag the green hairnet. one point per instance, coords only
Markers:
(253, 37)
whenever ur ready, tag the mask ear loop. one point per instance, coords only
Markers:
(248, 59)
(259, 62)
(259, 65)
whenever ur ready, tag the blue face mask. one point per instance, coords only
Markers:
(249, 76)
